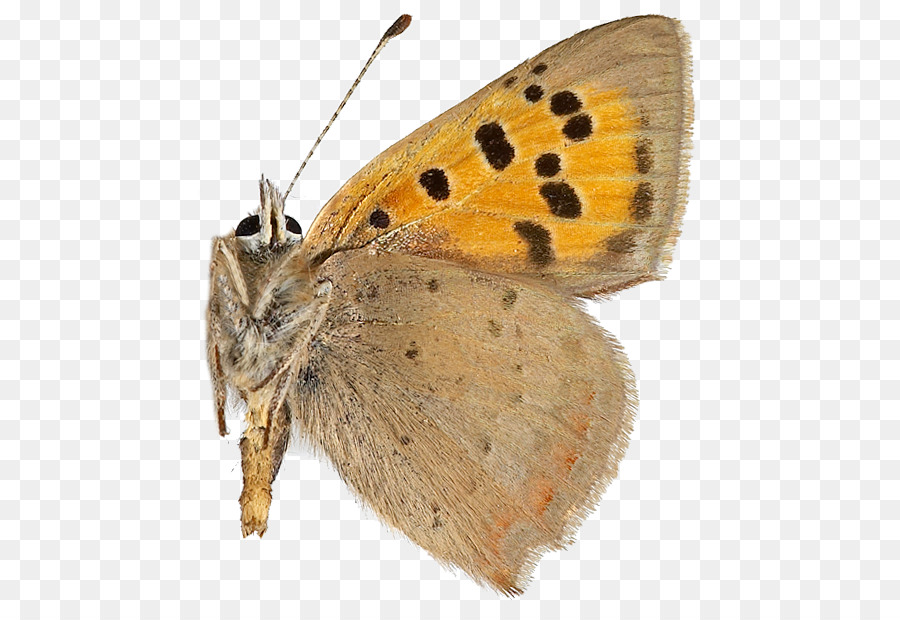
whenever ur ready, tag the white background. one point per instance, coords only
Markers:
(762, 477)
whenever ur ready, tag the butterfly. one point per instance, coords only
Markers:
(425, 336)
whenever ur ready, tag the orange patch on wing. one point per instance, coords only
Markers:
(477, 221)
(540, 494)
(580, 421)
(473, 234)
(505, 218)
(501, 576)
(502, 523)
(564, 457)
(577, 242)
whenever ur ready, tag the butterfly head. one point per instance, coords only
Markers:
(269, 228)
(261, 296)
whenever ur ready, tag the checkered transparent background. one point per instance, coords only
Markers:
(762, 478)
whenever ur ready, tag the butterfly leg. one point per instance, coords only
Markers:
(219, 390)
(220, 296)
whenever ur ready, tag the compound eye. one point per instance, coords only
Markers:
(248, 226)
(292, 225)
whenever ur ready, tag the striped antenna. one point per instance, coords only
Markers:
(396, 28)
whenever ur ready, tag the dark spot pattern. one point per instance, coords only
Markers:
(405, 440)
(433, 285)
(495, 328)
(547, 165)
(435, 183)
(412, 352)
(578, 127)
(565, 103)
(510, 81)
(486, 446)
(539, 69)
(493, 143)
(643, 157)
(379, 219)
(534, 93)
(247, 226)
(623, 243)
(540, 247)
(509, 298)
(562, 199)
(642, 202)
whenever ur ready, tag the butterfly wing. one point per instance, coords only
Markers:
(484, 436)
(570, 169)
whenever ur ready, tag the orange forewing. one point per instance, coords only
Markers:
(570, 169)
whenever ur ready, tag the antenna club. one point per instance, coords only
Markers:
(397, 27)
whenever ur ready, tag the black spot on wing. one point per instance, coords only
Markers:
(547, 165)
(578, 127)
(565, 102)
(643, 156)
(562, 199)
(509, 298)
(642, 202)
(435, 183)
(539, 69)
(540, 246)
(379, 219)
(510, 81)
(495, 329)
(493, 143)
(534, 93)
